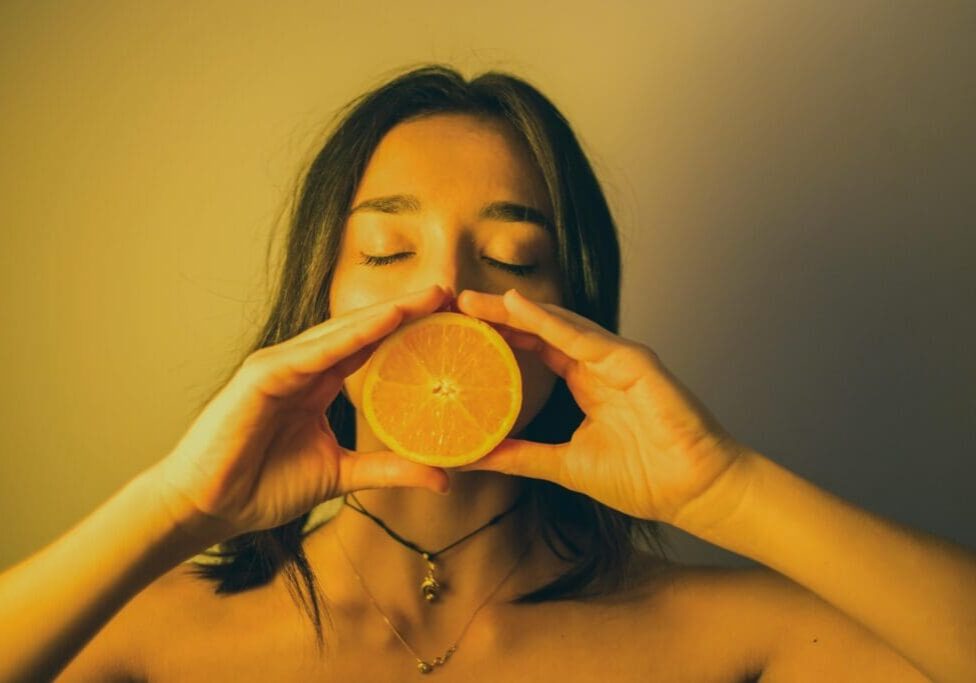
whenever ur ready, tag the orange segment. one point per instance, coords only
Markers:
(443, 390)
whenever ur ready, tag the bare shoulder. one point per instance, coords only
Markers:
(122, 649)
(797, 635)
(715, 615)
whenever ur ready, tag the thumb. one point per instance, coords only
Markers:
(521, 458)
(386, 469)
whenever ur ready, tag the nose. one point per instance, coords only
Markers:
(453, 276)
(452, 264)
(450, 303)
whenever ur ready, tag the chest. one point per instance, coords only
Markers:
(550, 642)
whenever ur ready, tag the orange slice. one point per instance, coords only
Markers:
(442, 390)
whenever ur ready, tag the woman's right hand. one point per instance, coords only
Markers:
(261, 453)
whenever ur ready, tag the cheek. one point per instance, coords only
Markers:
(353, 386)
(537, 383)
(348, 294)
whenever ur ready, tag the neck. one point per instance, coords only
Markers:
(393, 572)
(435, 525)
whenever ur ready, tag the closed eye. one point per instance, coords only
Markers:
(517, 269)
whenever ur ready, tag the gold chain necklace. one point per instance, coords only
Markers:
(423, 666)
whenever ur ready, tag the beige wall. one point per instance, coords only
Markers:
(793, 182)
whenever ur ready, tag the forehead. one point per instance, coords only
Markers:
(456, 157)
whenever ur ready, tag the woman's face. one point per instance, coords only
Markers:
(452, 166)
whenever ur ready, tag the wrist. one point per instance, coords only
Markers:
(187, 528)
(722, 501)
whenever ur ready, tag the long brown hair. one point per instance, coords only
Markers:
(598, 541)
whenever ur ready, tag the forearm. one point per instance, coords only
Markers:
(914, 590)
(55, 601)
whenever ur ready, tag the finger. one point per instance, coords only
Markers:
(421, 301)
(575, 336)
(350, 364)
(492, 306)
(283, 369)
(555, 360)
(328, 384)
(518, 457)
(385, 469)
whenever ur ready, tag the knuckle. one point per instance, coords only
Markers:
(256, 363)
(644, 351)
(255, 359)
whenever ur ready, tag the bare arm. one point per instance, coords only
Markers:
(56, 600)
(259, 455)
(915, 591)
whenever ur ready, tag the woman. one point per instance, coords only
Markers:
(434, 194)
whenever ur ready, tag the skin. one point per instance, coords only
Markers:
(261, 453)
(454, 164)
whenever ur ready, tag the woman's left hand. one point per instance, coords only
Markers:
(647, 447)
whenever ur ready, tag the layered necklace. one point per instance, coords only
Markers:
(430, 587)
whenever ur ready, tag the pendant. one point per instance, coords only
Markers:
(430, 586)
(427, 667)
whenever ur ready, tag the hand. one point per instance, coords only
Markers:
(647, 447)
(261, 453)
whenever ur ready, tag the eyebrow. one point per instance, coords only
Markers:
(494, 211)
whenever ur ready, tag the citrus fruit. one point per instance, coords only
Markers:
(442, 390)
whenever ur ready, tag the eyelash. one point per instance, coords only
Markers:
(519, 270)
